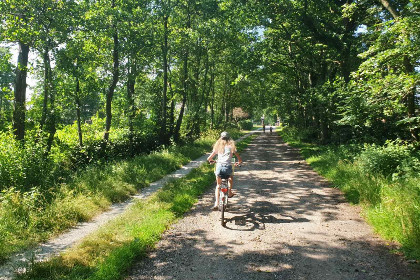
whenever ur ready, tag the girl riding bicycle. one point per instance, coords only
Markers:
(224, 148)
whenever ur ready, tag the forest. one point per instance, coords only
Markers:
(87, 83)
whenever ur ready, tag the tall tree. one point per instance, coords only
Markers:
(55, 23)
(115, 69)
(164, 11)
(185, 42)
(18, 26)
(408, 64)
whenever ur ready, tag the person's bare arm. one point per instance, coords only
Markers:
(211, 156)
(239, 158)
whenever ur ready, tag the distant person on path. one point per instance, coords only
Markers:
(224, 148)
(271, 129)
(264, 128)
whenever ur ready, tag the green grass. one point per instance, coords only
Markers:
(109, 252)
(27, 218)
(391, 206)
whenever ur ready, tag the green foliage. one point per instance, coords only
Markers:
(114, 149)
(297, 135)
(308, 64)
(6, 80)
(245, 125)
(350, 76)
(17, 214)
(23, 167)
(393, 160)
(10, 158)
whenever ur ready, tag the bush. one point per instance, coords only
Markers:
(117, 149)
(11, 165)
(24, 166)
(246, 125)
(297, 135)
(394, 159)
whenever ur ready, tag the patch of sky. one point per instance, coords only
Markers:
(361, 29)
(256, 31)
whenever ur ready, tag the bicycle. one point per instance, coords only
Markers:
(223, 194)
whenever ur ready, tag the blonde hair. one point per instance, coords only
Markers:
(220, 145)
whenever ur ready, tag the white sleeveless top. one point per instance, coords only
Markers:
(226, 157)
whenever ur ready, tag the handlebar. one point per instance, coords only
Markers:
(213, 162)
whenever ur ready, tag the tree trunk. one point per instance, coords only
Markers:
(20, 92)
(212, 98)
(206, 91)
(226, 98)
(171, 115)
(202, 104)
(224, 102)
(110, 93)
(78, 108)
(390, 9)
(51, 121)
(172, 108)
(163, 129)
(131, 83)
(47, 82)
(177, 135)
(51, 125)
(196, 98)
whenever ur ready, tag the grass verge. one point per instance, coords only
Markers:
(109, 252)
(391, 205)
(27, 218)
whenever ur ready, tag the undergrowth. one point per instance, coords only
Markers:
(29, 217)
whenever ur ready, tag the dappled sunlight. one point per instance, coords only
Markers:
(193, 255)
(284, 222)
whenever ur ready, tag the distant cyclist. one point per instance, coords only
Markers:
(224, 148)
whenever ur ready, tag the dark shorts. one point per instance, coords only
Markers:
(223, 170)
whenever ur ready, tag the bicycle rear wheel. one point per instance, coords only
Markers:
(223, 204)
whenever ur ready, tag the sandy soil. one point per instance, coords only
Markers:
(285, 222)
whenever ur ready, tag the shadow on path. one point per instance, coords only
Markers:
(284, 223)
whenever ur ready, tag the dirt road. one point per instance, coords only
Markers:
(284, 223)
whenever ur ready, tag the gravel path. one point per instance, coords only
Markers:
(284, 223)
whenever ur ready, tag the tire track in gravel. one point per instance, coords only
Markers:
(284, 223)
